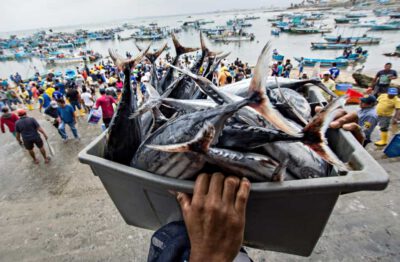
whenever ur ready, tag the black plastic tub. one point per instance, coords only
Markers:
(287, 217)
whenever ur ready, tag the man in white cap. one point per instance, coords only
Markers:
(329, 83)
(52, 113)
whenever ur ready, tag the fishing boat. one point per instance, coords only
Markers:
(70, 74)
(54, 60)
(7, 57)
(309, 30)
(356, 15)
(394, 25)
(331, 46)
(360, 40)
(278, 57)
(124, 38)
(364, 24)
(65, 45)
(275, 19)
(234, 38)
(323, 62)
(346, 20)
(355, 57)
(22, 55)
(251, 18)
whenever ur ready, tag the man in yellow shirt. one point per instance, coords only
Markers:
(329, 83)
(387, 105)
(49, 91)
(223, 75)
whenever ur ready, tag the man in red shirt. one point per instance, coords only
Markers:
(8, 118)
(106, 103)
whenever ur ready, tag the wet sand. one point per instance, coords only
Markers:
(61, 212)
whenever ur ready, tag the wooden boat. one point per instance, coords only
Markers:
(356, 15)
(309, 30)
(346, 20)
(395, 25)
(361, 40)
(355, 57)
(323, 62)
(331, 46)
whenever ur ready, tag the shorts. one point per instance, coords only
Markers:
(384, 122)
(30, 143)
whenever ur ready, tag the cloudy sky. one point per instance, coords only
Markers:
(30, 14)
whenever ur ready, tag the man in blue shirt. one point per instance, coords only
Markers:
(44, 100)
(367, 117)
(60, 86)
(335, 72)
(57, 94)
(66, 117)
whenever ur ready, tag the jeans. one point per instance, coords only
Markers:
(63, 134)
(75, 104)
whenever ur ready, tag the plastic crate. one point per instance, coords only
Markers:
(393, 149)
(287, 217)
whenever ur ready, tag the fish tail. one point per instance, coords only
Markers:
(155, 55)
(260, 102)
(314, 133)
(180, 50)
(200, 144)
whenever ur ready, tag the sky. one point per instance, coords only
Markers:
(31, 14)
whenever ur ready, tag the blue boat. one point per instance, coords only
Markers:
(323, 62)
(278, 58)
(355, 57)
(346, 20)
(330, 46)
(356, 15)
(65, 45)
(22, 55)
(394, 25)
(358, 40)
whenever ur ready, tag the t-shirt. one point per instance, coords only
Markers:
(280, 70)
(106, 102)
(384, 77)
(386, 106)
(27, 127)
(330, 84)
(49, 91)
(334, 72)
(72, 95)
(61, 87)
(66, 113)
(44, 100)
(57, 95)
(368, 120)
(87, 99)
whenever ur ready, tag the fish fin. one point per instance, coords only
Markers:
(280, 171)
(200, 143)
(184, 71)
(180, 50)
(158, 119)
(260, 102)
(288, 102)
(121, 62)
(325, 89)
(316, 71)
(314, 133)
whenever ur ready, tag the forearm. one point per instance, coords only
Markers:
(19, 138)
(41, 130)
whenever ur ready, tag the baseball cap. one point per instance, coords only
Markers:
(21, 112)
(327, 73)
(368, 100)
(393, 91)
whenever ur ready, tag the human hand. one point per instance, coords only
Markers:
(347, 121)
(215, 216)
(394, 121)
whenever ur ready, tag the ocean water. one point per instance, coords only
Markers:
(289, 45)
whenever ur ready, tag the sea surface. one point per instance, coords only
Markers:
(287, 44)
